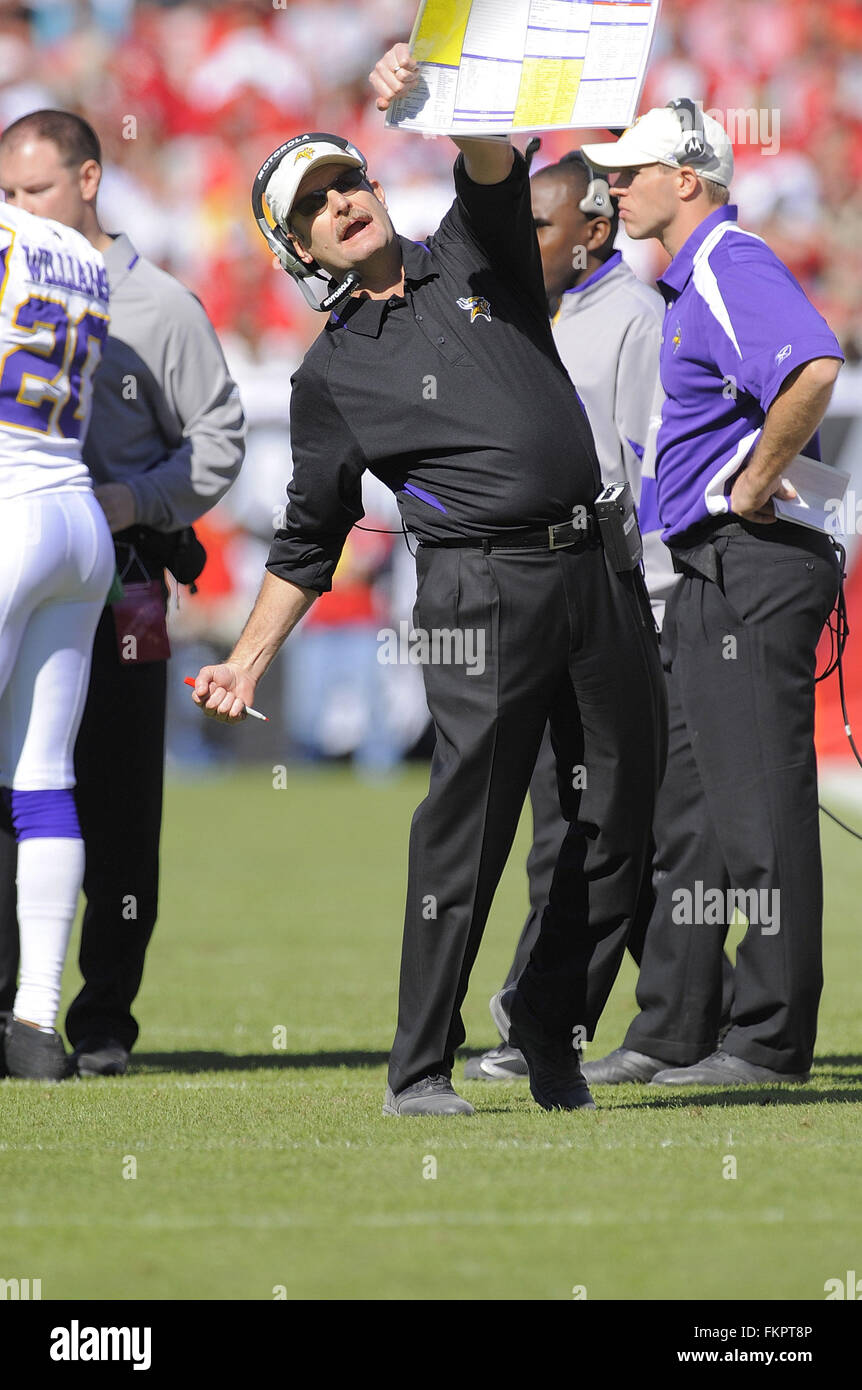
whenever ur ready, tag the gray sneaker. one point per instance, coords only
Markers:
(724, 1069)
(433, 1095)
(620, 1066)
(503, 1063)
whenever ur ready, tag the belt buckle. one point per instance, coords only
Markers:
(553, 543)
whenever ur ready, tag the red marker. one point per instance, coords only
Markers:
(255, 714)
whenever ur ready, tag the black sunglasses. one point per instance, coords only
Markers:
(311, 203)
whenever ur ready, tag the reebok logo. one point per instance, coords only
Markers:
(76, 1343)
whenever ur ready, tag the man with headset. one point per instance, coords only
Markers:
(747, 367)
(607, 329)
(437, 371)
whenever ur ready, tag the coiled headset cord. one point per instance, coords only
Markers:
(839, 632)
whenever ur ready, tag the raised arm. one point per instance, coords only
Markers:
(485, 161)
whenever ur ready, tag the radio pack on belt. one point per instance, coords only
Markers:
(618, 527)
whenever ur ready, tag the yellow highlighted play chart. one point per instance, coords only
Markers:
(439, 34)
(547, 92)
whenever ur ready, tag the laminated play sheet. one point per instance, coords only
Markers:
(488, 67)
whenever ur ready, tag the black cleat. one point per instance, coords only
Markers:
(622, 1065)
(101, 1057)
(556, 1079)
(32, 1055)
(723, 1069)
(503, 1063)
(433, 1095)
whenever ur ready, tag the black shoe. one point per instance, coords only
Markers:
(622, 1065)
(503, 1063)
(723, 1069)
(553, 1064)
(33, 1055)
(433, 1095)
(101, 1057)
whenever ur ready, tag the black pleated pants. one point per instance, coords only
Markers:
(549, 830)
(567, 641)
(738, 805)
(119, 771)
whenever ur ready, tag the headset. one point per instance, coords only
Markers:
(312, 280)
(596, 202)
(694, 147)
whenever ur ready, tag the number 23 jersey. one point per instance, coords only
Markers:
(53, 324)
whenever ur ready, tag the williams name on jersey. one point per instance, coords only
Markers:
(53, 324)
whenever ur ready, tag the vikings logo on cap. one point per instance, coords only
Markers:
(478, 307)
(307, 153)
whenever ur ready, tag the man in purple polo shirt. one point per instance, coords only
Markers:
(747, 367)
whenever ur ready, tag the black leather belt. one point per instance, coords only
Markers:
(565, 535)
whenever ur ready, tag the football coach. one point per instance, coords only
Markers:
(747, 367)
(437, 371)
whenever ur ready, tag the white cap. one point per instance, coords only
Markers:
(670, 136)
(301, 155)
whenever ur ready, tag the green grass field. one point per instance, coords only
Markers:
(252, 1112)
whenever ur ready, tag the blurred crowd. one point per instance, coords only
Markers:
(189, 98)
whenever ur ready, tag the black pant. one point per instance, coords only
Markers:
(738, 805)
(549, 830)
(119, 768)
(568, 640)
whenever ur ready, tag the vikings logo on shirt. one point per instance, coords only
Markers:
(677, 337)
(478, 307)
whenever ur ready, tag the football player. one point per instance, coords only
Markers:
(56, 565)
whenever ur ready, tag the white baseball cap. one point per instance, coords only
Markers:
(670, 135)
(296, 159)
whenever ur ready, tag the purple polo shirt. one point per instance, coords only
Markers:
(736, 324)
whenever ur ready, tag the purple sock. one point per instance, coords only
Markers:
(45, 815)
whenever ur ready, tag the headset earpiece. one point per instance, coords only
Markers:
(596, 202)
(693, 147)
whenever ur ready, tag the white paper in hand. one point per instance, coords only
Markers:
(489, 67)
(819, 501)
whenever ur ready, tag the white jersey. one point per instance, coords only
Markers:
(53, 324)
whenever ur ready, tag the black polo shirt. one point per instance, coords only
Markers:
(453, 395)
